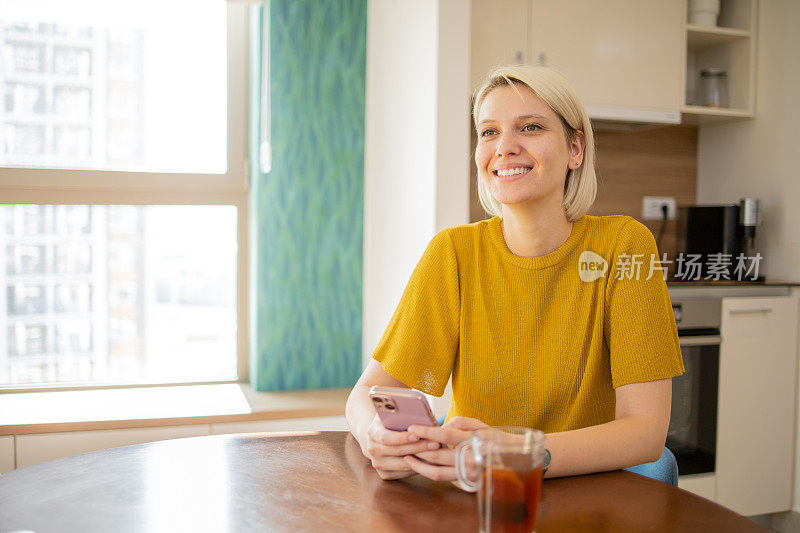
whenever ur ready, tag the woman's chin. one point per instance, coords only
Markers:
(525, 200)
(512, 198)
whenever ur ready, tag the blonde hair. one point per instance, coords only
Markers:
(554, 90)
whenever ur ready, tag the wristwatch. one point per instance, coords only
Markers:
(546, 463)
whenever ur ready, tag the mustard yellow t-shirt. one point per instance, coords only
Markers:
(534, 341)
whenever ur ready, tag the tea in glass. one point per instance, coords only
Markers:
(504, 466)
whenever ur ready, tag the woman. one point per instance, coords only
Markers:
(544, 316)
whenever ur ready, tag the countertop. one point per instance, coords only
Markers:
(733, 283)
(730, 289)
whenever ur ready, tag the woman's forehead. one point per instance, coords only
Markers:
(517, 100)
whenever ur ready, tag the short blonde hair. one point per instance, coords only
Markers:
(554, 90)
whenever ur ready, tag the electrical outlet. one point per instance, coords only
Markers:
(651, 207)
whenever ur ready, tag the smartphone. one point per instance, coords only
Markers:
(399, 408)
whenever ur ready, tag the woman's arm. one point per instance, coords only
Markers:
(635, 436)
(385, 448)
(359, 410)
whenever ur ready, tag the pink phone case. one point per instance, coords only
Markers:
(410, 408)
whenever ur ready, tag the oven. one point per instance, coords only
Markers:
(692, 434)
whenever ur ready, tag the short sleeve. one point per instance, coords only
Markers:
(639, 325)
(421, 341)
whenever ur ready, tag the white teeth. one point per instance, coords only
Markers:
(513, 171)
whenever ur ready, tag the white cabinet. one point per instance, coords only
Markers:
(6, 453)
(630, 60)
(499, 36)
(624, 57)
(756, 415)
(704, 485)
(621, 56)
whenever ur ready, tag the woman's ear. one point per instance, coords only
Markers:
(577, 145)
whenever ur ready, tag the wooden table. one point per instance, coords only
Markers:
(312, 481)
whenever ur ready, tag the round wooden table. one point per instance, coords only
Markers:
(309, 481)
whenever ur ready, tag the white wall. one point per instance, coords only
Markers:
(761, 157)
(417, 142)
(400, 155)
(453, 129)
(454, 126)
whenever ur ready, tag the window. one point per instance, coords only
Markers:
(114, 87)
(124, 192)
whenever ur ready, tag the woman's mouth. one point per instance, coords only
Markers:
(507, 172)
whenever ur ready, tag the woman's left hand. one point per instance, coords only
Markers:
(438, 465)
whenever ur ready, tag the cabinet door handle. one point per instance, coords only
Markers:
(760, 311)
(701, 340)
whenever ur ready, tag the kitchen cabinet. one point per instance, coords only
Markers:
(756, 414)
(6, 453)
(630, 60)
(624, 57)
(731, 46)
(499, 36)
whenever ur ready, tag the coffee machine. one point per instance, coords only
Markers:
(709, 230)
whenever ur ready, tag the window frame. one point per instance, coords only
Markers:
(45, 186)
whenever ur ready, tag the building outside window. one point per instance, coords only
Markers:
(123, 190)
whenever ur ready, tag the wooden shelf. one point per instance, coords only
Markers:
(699, 37)
(701, 115)
(718, 111)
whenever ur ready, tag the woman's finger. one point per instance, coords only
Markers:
(390, 464)
(376, 448)
(443, 457)
(386, 475)
(380, 434)
(436, 473)
(444, 434)
(465, 423)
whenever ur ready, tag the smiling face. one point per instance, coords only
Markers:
(522, 153)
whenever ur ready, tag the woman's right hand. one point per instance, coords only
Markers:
(386, 448)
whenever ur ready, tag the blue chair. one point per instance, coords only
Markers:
(665, 469)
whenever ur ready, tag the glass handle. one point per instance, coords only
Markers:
(461, 468)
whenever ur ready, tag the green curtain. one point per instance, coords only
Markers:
(306, 217)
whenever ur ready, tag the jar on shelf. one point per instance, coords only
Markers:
(713, 87)
(703, 12)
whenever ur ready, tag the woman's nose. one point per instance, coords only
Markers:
(508, 144)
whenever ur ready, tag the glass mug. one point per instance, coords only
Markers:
(504, 466)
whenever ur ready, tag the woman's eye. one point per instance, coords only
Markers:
(531, 127)
(486, 133)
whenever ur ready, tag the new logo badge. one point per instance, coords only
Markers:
(591, 266)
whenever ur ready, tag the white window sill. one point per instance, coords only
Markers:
(51, 412)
